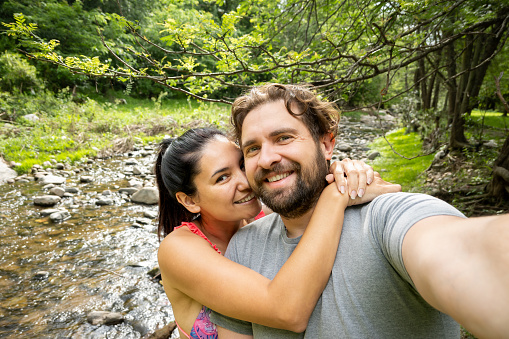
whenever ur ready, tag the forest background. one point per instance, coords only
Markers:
(91, 78)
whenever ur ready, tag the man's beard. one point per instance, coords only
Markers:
(294, 201)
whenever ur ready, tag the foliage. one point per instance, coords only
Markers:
(16, 74)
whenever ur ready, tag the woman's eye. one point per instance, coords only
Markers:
(222, 178)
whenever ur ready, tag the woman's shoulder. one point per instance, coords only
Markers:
(179, 239)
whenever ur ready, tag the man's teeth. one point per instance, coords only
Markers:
(249, 197)
(278, 177)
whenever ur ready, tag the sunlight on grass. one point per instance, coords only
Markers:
(494, 119)
(396, 169)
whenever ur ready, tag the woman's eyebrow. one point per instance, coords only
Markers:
(219, 171)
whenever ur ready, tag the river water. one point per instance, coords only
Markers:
(53, 274)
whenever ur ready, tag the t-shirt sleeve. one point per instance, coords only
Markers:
(232, 324)
(392, 215)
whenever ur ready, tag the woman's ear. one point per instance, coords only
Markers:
(327, 142)
(188, 202)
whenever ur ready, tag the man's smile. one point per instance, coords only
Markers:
(278, 176)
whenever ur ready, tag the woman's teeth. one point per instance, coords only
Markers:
(249, 197)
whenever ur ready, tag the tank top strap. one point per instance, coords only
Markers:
(193, 228)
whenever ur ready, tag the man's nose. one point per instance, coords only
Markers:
(268, 157)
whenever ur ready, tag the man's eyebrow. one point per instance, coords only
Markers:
(272, 134)
(282, 131)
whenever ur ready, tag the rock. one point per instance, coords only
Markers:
(59, 216)
(490, 144)
(72, 190)
(106, 192)
(344, 147)
(48, 211)
(150, 214)
(86, 178)
(59, 166)
(439, 155)
(131, 162)
(128, 191)
(135, 183)
(137, 170)
(373, 155)
(105, 318)
(6, 172)
(147, 195)
(46, 200)
(104, 201)
(41, 275)
(143, 221)
(46, 164)
(52, 179)
(163, 333)
(31, 117)
(57, 191)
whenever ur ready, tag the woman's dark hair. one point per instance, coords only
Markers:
(176, 166)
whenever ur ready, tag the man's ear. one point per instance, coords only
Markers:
(327, 142)
(188, 202)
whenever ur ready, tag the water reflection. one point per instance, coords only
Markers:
(53, 274)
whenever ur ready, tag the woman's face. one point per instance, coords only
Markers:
(223, 192)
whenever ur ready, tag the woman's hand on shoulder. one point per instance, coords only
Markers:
(351, 176)
(376, 188)
(359, 181)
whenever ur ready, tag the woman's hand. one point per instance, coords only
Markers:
(358, 173)
(376, 188)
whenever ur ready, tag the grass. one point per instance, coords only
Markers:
(397, 169)
(493, 119)
(72, 131)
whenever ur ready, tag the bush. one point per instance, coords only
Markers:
(17, 75)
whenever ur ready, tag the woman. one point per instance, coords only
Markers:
(203, 188)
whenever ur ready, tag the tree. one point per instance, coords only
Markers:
(341, 47)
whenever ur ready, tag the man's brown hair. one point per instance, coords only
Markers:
(319, 116)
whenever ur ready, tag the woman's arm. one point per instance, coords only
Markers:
(237, 291)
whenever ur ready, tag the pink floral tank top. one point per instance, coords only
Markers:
(203, 328)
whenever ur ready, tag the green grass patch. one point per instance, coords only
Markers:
(393, 167)
(490, 118)
(71, 131)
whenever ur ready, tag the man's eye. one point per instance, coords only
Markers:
(284, 138)
(251, 149)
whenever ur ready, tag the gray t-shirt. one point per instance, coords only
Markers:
(369, 293)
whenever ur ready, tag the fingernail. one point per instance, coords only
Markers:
(361, 193)
(353, 195)
(369, 181)
(342, 189)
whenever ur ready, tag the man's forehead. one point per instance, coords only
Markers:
(276, 112)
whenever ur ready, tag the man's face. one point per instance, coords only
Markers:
(285, 166)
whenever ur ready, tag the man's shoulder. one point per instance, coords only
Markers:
(261, 225)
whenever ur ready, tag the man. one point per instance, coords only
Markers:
(407, 264)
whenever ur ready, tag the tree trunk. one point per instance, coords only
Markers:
(457, 132)
(499, 185)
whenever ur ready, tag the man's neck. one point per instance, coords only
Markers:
(295, 227)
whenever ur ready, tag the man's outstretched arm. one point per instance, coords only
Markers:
(461, 267)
